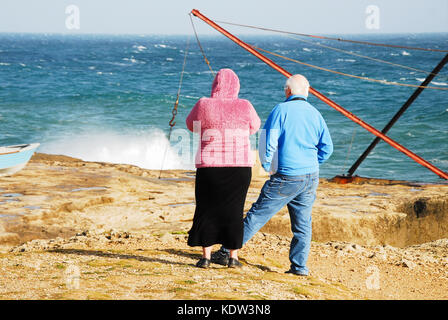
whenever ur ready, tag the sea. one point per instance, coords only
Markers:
(109, 98)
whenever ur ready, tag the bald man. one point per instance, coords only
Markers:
(295, 140)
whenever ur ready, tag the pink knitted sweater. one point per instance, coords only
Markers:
(224, 123)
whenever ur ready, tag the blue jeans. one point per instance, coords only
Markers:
(298, 193)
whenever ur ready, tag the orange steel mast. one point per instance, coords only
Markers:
(325, 99)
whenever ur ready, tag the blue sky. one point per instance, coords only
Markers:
(170, 16)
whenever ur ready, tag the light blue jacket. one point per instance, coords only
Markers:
(295, 139)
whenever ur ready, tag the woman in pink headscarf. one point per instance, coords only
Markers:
(224, 166)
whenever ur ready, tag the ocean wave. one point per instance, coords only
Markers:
(133, 60)
(244, 64)
(193, 97)
(405, 53)
(4, 64)
(433, 82)
(139, 48)
(346, 60)
(306, 49)
(164, 46)
(105, 73)
(439, 161)
(147, 150)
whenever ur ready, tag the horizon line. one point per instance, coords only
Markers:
(205, 35)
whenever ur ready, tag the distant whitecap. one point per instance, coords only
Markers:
(139, 48)
(440, 83)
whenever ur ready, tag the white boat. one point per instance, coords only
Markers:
(15, 158)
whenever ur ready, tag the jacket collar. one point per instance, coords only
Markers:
(295, 96)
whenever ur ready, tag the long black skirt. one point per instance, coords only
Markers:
(220, 196)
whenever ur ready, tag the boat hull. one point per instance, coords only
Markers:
(15, 160)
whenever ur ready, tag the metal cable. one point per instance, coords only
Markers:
(347, 74)
(330, 38)
(200, 46)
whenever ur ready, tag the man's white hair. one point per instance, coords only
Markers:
(298, 84)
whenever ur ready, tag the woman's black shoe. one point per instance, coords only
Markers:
(220, 257)
(234, 263)
(203, 263)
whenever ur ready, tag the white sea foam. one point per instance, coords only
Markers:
(130, 59)
(433, 82)
(133, 60)
(306, 49)
(139, 48)
(169, 59)
(194, 97)
(346, 60)
(405, 53)
(4, 64)
(164, 46)
(144, 149)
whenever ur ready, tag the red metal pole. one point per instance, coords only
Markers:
(323, 98)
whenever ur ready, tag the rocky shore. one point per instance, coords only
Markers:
(71, 229)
